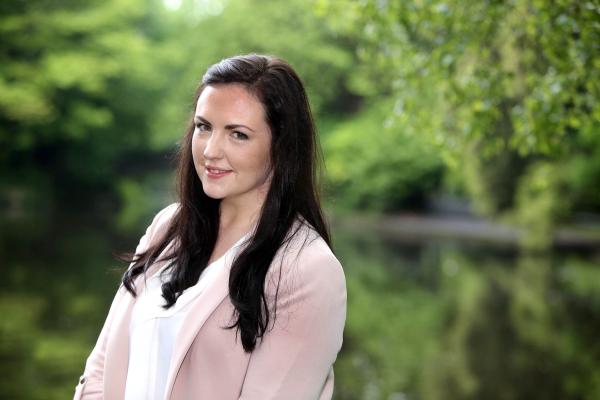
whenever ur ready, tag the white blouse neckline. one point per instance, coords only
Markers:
(153, 329)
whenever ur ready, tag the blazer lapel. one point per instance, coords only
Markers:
(117, 347)
(116, 359)
(200, 310)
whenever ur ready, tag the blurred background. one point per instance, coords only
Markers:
(462, 153)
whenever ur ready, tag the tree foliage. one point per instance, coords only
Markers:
(377, 166)
(490, 81)
(85, 86)
(88, 88)
(77, 81)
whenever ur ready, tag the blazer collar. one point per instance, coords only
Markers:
(116, 358)
(200, 310)
(117, 347)
(197, 315)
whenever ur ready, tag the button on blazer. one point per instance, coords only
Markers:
(294, 359)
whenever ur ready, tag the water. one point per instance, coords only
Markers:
(454, 320)
(427, 319)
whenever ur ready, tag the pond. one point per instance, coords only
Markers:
(427, 318)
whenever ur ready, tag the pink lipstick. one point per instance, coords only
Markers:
(216, 173)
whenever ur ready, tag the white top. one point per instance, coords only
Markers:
(153, 330)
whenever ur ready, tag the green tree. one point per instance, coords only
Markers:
(498, 86)
(374, 165)
(88, 88)
(77, 82)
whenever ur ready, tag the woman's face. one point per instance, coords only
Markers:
(231, 145)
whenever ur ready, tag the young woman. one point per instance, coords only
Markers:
(233, 292)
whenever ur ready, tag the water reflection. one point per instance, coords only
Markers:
(427, 319)
(439, 320)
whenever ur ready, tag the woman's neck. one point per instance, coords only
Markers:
(240, 213)
(232, 218)
(234, 223)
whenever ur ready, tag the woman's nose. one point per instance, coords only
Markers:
(214, 146)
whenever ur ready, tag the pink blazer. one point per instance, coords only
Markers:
(293, 361)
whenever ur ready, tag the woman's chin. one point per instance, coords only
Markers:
(212, 195)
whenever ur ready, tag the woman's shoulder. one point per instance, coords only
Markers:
(307, 255)
(164, 216)
(306, 270)
(166, 213)
(161, 222)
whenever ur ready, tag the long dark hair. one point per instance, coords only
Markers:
(292, 194)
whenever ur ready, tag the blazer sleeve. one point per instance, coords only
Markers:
(91, 383)
(295, 358)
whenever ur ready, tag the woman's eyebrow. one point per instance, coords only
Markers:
(198, 118)
(235, 126)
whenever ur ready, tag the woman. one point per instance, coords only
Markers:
(233, 293)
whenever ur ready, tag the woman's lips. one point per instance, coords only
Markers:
(216, 173)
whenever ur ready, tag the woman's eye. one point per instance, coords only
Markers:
(202, 127)
(239, 135)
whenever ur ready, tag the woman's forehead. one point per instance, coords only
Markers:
(225, 104)
(231, 96)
